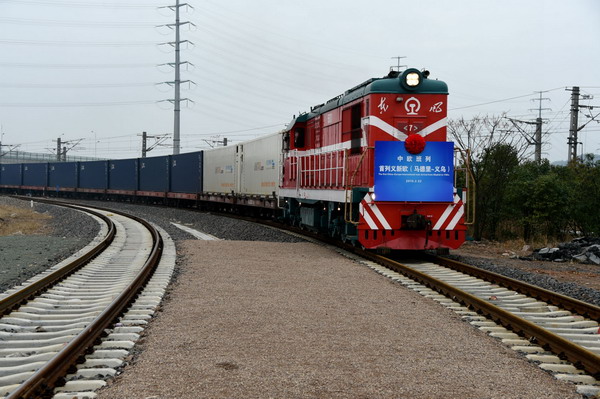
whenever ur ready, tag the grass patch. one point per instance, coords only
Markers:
(15, 221)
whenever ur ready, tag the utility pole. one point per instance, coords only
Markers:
(572, 140)
(574, 126)
(145, 137)
(58, 150)
(538, 128)
(177, 82)
(143, 144)
(61, 148)
(10, 146)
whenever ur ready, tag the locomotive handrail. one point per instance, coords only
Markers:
(348, 188)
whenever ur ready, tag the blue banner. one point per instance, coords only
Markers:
(402, 176)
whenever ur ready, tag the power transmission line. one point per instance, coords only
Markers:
(72, 66)
(76, 44)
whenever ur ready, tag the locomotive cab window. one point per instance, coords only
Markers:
(286, 141)
(299, 137)
(351, 118)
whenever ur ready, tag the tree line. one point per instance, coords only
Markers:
(516, 198)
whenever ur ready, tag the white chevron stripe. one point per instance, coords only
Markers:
(376, 211)
(373, 121)
(433, 127)
(392, 131)
(446, 213)
(386, 127)
(370, 221)
(456, 218)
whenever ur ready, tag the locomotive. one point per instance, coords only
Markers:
(371, 167)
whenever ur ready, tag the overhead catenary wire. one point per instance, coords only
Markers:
(76, 24)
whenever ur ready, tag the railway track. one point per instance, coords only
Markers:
(558, 332)
(551, 329)
(100, 297)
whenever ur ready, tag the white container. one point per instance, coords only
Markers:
(259, 162)
(219, 174)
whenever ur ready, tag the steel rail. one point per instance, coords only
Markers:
(566, 349)
(581, 357)
(579, 307)
(52, 373)
(21, 296)
(562, 347)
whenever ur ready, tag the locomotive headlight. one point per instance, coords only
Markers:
(413, 79)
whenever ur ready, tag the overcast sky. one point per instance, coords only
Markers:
(89, 69)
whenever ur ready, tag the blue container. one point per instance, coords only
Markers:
(122, 174)
(10, 174)
(154, 174)
(35, 174)
(62, 175)
(186, 173)
(93, 175)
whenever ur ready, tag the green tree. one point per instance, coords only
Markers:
(493, 173)
(585, 205)
(539, 199)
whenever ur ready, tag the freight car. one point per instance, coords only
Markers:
(371, 166)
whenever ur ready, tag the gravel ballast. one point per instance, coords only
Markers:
(24, 256)
(246, 318)
(542, 280)
(296, 320)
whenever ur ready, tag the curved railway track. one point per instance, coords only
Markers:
(538, 321)
(530, 319)
(52, 321)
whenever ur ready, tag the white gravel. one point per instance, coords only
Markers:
(297, 320)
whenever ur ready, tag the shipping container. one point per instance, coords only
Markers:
(35, 175)
(62, 176)
(123, 176)
(93, 175)
(10, 175)
(259, 165)
(186, 173)
(154, 174)
(219, 174)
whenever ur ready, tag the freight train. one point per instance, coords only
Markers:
(371, 167)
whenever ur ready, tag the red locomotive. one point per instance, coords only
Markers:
(373, 167)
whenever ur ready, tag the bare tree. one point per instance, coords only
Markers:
(482, 132)
(492, 147)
